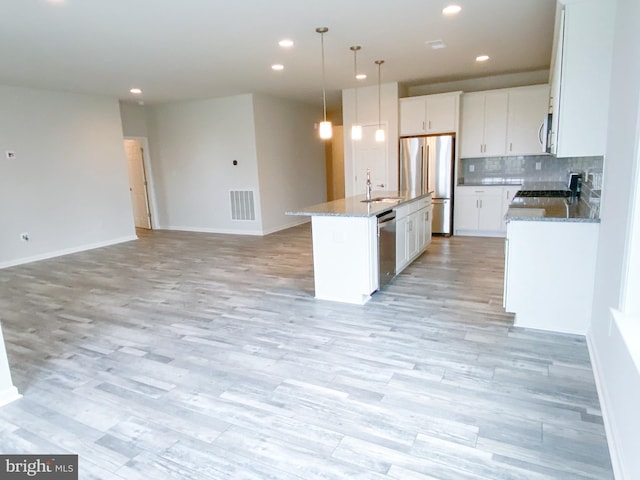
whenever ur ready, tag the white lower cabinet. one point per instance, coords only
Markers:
(413, 231)
(478, 211)
(507, 196)
(549, 274)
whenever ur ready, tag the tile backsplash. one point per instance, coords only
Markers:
(518, 169)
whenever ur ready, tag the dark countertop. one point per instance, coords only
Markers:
(355, 207)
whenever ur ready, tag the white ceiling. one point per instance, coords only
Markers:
(189, 49)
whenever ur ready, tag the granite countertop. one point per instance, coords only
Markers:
(544, 209)
(355, 207)
(541, 186)
(491, 182)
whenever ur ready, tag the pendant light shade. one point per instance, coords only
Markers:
(326, 130)
(356, 128)
(379, 131)
(356, 132)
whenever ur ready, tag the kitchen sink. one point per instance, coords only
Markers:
(381, 200)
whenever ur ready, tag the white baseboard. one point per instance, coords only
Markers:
(302, 221)
(9, 395)
(624, 463)
(228, 231)
(604, 402)
(66, 251)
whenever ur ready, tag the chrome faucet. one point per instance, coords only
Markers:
(368, 184)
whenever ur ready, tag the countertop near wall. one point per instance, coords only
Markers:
(552, 209)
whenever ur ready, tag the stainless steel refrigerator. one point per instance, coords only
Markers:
(426, 165)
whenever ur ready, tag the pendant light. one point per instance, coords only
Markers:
(379, 131)
(325, 127)
(356, 128)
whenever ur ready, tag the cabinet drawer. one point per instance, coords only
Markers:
(402, 211)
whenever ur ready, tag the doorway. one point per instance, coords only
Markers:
(135, 149)
(372, 155)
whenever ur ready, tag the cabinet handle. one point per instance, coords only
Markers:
(429, 124)
(480, 203)
(510, 146)
(423, 125)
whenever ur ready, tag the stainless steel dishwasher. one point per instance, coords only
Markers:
(386, 247)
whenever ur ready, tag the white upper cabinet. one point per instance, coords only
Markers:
(483, 130)
(528, 108)
(583, 47)
(503, 122)
(429, 114)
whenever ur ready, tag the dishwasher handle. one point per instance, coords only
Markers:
(385, 217)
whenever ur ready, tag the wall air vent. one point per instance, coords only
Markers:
(242, 206)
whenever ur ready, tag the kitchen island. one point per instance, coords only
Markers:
(550, 257)
(346, 242)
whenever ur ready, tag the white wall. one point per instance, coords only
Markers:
(67, 186)
(134, 120)
(291, 160)
(193, 146)
(611, 347)
(368, 115)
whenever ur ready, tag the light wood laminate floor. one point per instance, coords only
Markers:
(200, 356)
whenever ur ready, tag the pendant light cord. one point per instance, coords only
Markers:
(355, 74)
(324, 92)
(379, 62)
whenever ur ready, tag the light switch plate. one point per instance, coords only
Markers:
(472, 168)
(538, 165)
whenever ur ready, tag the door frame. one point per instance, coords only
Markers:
(146, 163)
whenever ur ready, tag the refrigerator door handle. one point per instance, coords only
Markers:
(422, 170)
(425, 171)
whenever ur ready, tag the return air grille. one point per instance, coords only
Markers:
(242, 206)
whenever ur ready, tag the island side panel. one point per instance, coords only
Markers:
(549, 275)
(345, 258)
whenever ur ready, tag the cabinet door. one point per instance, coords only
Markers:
(441, 113)
(466, 212)
(584, 91)
(490, 212)
(507, 195)
(412, 236)
(426, 223)
(527, 110)
(401, 245)
(412, 116)
(472, 126)
(495, 123)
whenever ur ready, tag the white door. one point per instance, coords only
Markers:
(367, 153)
(138, 183)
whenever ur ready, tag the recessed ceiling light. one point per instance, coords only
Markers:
(286, 43)
(361, 76)
(451, 10)
(482, 58)
(136, 91)
(435, 44)
(277, 66)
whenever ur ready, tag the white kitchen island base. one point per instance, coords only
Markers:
(549, 274)
(345, 260)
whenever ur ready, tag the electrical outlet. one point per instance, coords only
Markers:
(24, 237)
(538, 165)
(472, 168)
(10, 154)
